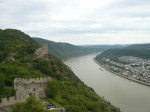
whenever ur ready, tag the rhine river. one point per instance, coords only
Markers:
(129, 96)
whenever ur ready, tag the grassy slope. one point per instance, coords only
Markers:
(73, 94)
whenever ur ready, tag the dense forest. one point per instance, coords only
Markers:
(65, 50)
(137, 50)
(17, 60)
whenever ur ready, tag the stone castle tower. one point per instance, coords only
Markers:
(28, 87)
(25, 88)
(42, 52)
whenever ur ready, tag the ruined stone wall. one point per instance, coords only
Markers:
(28, 87)
(10, 101)
(42, 52)
(25, 88)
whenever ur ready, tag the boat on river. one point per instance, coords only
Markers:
(101, 69)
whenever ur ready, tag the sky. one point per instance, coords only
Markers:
(79, 22)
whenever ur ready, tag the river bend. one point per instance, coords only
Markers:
(129, 96)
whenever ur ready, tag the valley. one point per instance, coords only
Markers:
(129, 96)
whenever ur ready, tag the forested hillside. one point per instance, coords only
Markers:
(13, 40)
(65, 50)
(18, 60)
(137, 50)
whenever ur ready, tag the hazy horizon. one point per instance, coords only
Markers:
(91, 44)
(80, 22)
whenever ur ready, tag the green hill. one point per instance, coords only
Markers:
(137, 50)
(65, 50)
(20, 61)
(140, 46)
(12, 40)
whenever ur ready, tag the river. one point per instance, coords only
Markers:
(129, 96)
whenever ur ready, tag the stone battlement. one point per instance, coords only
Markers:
(32, 80)
(33, 86)
(26, 88)
(10, 101)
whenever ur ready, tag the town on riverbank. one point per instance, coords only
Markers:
(129, 67)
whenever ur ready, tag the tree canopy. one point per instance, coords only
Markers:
(31, 105)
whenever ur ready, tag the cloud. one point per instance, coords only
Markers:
(79, 21)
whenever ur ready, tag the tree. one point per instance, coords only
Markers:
(2, 82)
(52, 88)
(31, 105)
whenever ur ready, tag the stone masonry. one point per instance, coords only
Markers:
(28, 87)
(25, 88)
(42, 52)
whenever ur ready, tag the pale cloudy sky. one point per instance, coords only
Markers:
(79, 21)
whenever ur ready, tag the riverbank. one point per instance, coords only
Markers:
(129, 78)
(127, 95)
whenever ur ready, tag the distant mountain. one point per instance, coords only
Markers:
(105, 47)
(137, 50)
(66, 50)
(140, 46)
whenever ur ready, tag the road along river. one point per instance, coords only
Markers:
(129, 96)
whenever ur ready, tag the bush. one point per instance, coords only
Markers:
(52, 89)
(31, 105)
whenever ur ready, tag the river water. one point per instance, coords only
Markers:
(129, 96)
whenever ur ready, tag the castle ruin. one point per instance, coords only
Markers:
(28, 87)
(25, 88)
(42, 52)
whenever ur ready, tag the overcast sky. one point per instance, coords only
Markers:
(79, 21)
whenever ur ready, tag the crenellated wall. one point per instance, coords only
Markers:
(10, 101)
(25, 88)
(28, 87)
(32, 80)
